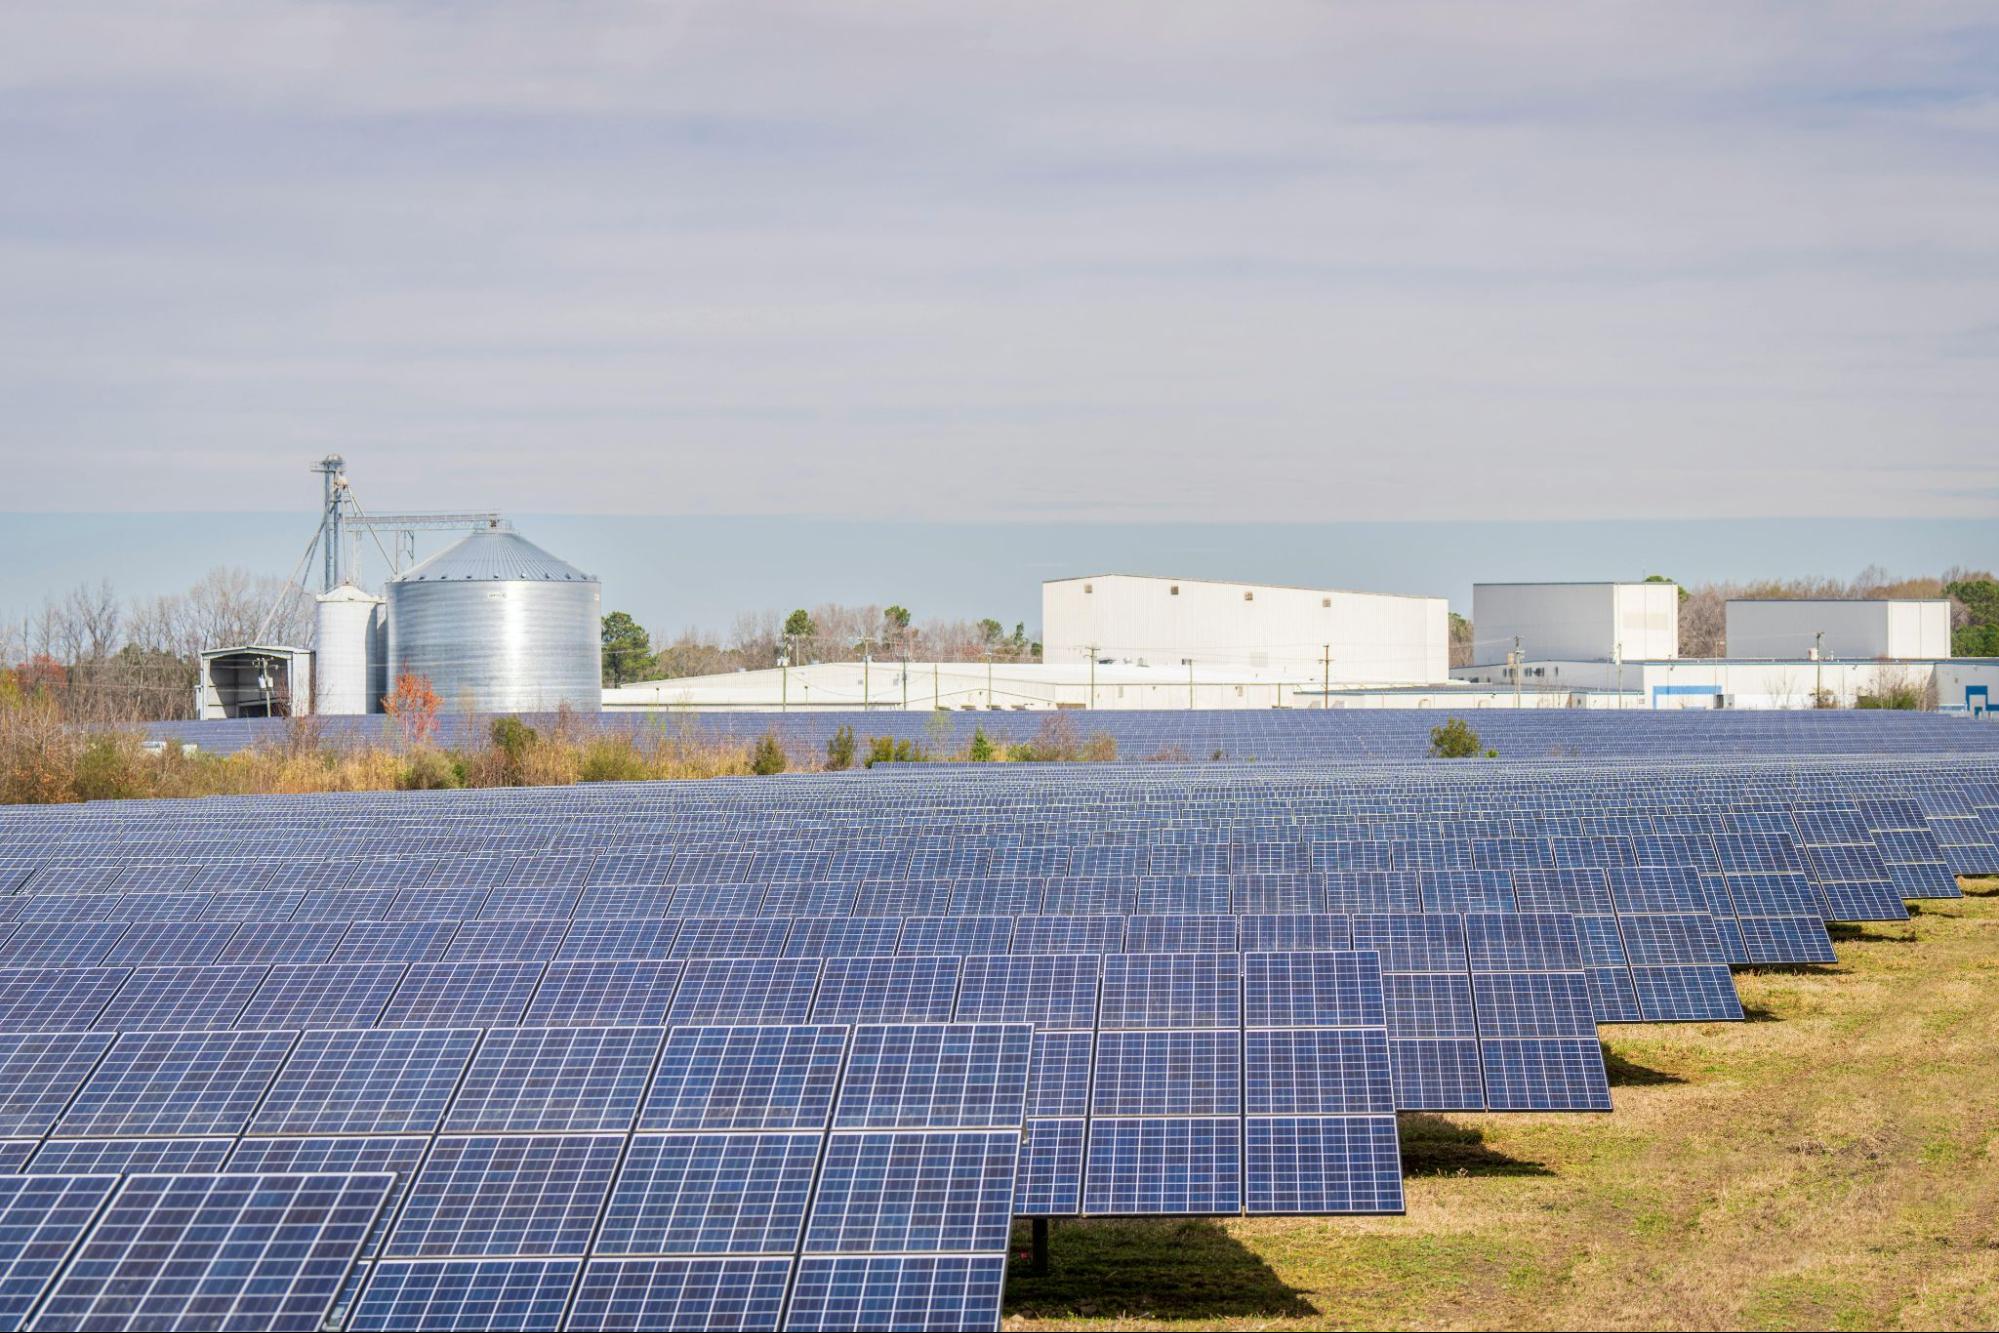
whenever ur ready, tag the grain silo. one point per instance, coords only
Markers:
(349, 657)
(496, 624)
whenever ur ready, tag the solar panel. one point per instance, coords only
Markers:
(217, 1251)
(466, 1294)
(307, 995)
(39, 1073)
(1322, 1164)
(703, 1294)
(949, 1191)
(492, 1196)
(163, 1083)
(46, 999)
(886, 989)
(42, 1217)
(389, 1081)
(746, 1078)
(1163, 1165)
(1051, 991)
(555, 1080)
(745, 990)
(447, 994)
(622, 992)
(903, 1292)
(692, 1194)
(936, 1076)
(1171, 991)
(1168, 1073)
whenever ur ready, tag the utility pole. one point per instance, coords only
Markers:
(1326, 682)
(989, 679)
(784, 677)
(1818, 669)
(905, 673)
(1092, 650)
(1190, 684)
(867, 662)
(1513, 658)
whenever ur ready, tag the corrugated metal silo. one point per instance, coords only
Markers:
(348, 652)
(496, 624)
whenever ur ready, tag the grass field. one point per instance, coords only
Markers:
(1831, 1163)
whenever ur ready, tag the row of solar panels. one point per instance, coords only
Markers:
(1226, 733)
(775, 1204)
(1662, 958)
(614, 1167)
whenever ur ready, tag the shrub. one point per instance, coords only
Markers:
(109, 768)
(430, 770)
(889, 750)
(981, 751)
(1101, 748)
(613, 758)
(768, 757)
(1455, 739)
(840, 749)
(513, 740)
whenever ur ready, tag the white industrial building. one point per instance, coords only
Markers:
(1619, 642)
(1838, 629)
(1318, 635)
(1584, 622)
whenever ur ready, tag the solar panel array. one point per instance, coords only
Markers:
(796, 1052)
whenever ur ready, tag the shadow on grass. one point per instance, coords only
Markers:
(1625, 1073)
(1974, 887)
(1178, 1268)
(1847, 932)
(1434, 1146)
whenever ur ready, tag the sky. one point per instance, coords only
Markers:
(1148, 264)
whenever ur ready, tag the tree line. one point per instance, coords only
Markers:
(829, 632)
(100, 657)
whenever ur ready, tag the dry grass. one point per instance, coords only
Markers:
(1832, 1163)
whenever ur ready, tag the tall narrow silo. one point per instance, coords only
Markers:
(496, 624)
(348, 652)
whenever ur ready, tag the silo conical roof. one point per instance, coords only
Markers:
(494, 554)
